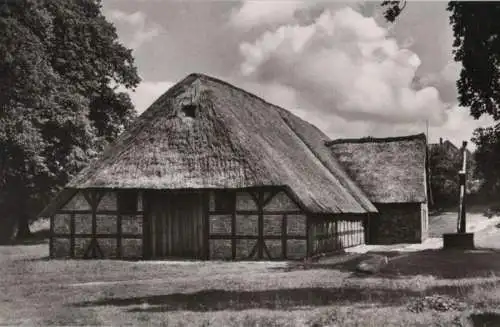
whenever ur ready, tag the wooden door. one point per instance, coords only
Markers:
(175, 225)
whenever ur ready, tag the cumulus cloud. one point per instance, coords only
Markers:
(147, 92)
(136, 30)
(444, 80)
(459, 126)
(345, 64)
(256, 13)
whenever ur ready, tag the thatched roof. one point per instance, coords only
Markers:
(388, 170)
(235, 140)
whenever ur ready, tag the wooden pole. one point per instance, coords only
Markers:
(462, 176)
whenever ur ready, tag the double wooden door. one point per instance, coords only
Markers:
(174, 225)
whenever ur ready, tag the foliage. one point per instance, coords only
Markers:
(58, 60)
(444, 169)
(488, 157)
(393, 9)
(445, 163)
(476, 29)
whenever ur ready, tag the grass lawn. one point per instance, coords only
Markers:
(463, 286)
(36, 291)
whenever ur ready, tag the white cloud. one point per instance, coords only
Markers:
(346, 75)
(136, 30)
(444, 80)
(255, 13)
(346, 64)
(147, 92)
(459, 126)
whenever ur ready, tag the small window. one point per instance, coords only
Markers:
(127, 201)
(189, 110)
(224, 201)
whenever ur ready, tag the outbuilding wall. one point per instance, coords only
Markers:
(399, 223)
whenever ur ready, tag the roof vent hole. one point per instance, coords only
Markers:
(189, 110)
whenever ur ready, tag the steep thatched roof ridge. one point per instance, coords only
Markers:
(388, 170)
(315, 139)
(370, 139)
(235, 140)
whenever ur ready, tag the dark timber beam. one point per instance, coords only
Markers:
(206, 225)
(260, 242)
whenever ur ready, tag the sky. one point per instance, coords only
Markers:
(336, 64)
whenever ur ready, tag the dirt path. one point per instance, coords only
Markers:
(486, 234)
(446, 222)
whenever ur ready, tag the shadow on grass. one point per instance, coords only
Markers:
(444, 264)
(214, 300)
(447, 264)
(485, 319)
(279, 299)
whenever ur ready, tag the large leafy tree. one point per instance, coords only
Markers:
(488, 159)
(476, 30)
(60, 66)
(444, 164)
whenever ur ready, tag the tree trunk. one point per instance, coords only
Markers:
(23, 229)
(8, 231)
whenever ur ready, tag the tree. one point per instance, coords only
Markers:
(488, 158)
(444, 163)
(60, 66)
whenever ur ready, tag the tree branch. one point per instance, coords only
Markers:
(394, 9)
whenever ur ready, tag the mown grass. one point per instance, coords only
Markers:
(37, 291)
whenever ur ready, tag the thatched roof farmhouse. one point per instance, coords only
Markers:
(211, 171)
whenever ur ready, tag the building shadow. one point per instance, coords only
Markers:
(439, 263)
(485, 319)
(445, 264)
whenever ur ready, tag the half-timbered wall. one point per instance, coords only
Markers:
(89, 225)
(228, 225)
(330, 234)
(256, 225)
